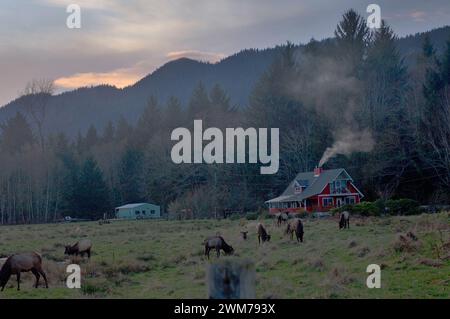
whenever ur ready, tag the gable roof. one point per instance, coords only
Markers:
(132, 205)
(316, 184)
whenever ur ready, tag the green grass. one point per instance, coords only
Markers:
(164, 259)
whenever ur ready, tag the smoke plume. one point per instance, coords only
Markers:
(327, 85)
(347, 142)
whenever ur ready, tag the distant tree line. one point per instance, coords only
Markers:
(309, 93)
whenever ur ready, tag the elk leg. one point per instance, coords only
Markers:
(89, 253)
(348, 223)
(18, 281)
(36, 274)
(218, 252)
(45, 277)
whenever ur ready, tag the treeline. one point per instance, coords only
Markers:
(317, 94)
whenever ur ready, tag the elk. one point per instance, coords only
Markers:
(295, 226)
(262, 234)
(282, 218)
(79, 248)
(217, 243)
(344, 221)
(19, 263)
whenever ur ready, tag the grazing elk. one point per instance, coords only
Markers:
(344, 221)
(262, 234)
(19, 263)
(80, 248)
(282, 218)
(295, 226)
(217, 243)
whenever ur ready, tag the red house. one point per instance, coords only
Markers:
(317, 191)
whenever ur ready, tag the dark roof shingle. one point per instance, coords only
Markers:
(316, 185)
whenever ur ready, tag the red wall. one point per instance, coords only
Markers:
(317, 206)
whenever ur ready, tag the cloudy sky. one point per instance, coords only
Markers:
(120, 41)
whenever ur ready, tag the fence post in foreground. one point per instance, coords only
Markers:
(231, 279)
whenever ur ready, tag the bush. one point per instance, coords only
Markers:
(235, 217)
(404, 206)
(264, 214)
(366, 209)
(338, 210)
(301, 215)
(251, 216)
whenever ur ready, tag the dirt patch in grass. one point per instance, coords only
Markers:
(430, 262)
(405, 244)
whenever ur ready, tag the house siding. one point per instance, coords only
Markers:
(144, 211)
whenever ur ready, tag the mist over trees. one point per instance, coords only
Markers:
(336, 90)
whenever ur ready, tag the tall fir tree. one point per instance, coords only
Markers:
(92, 193)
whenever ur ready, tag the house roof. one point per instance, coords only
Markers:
(132, 205)
(316, 184)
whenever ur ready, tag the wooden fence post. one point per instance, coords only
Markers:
(231, 279)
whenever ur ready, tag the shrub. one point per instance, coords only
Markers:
(235, 217)
(251, 216)
(338, 210)
(366, 209)
(379, 207)
(403, 206)
(301, 215)
(266, 215)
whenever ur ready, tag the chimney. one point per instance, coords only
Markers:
(318, 171)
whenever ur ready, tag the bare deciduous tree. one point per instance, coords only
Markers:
(38, 93)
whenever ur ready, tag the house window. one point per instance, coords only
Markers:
(327, 201)
(338, 186)
(143, 212)
(350, 200)
(137, 212)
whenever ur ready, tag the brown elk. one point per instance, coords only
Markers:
(80, 248)
(217, 243)
(344, 221)
(19, 263)
(262, 234)
(295, 226)
(282, 218)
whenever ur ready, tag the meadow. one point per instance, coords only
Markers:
(164, 259)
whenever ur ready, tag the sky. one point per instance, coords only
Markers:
(121, 41)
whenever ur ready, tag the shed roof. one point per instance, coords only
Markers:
(135, 205)
(314, 185)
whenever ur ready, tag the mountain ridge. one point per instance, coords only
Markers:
(75, 111)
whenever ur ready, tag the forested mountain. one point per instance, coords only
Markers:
(75, 111)
(363, 100)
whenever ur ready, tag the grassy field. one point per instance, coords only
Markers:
(164, 259)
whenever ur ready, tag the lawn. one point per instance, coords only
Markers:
(164, 259)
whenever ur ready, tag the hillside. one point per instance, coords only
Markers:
(75, 111)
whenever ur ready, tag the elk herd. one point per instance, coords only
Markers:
(32, 262)
(26, 262)
(293, 226)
